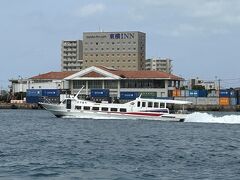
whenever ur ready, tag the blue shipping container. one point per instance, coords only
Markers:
(100, 93)
(51, 92)
(33, 99)
(129, 95)
(224, 93)
(238, 100)
(34, 92)
(197, 93)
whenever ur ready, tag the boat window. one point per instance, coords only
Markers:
(78, 107)
(104, 109)
(162, 105)
(86, 108)
(138, 104)
(156, 104)
(114, 109)
(95, 108)
(123, 110)
(143, 104)
(150, 104)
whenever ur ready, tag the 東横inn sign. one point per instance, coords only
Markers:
(114, 36)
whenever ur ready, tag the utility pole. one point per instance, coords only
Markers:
(219, 80)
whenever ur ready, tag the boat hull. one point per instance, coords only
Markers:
(61, 111)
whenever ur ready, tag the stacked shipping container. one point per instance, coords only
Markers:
(40, 95)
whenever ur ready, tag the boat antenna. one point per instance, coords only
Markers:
(76, 96)
(140, 95)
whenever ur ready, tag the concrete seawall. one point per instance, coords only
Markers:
(18, 106)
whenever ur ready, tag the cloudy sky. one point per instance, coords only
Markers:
(201, 36)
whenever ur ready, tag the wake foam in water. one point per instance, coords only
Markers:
(209, 118)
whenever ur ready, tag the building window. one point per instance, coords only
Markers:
(110, 84)
(94, 84)
(78, 84)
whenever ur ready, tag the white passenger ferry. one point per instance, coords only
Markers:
(140, 108)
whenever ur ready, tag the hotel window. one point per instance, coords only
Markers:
(96, 43)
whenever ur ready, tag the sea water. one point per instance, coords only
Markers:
(36, 145)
